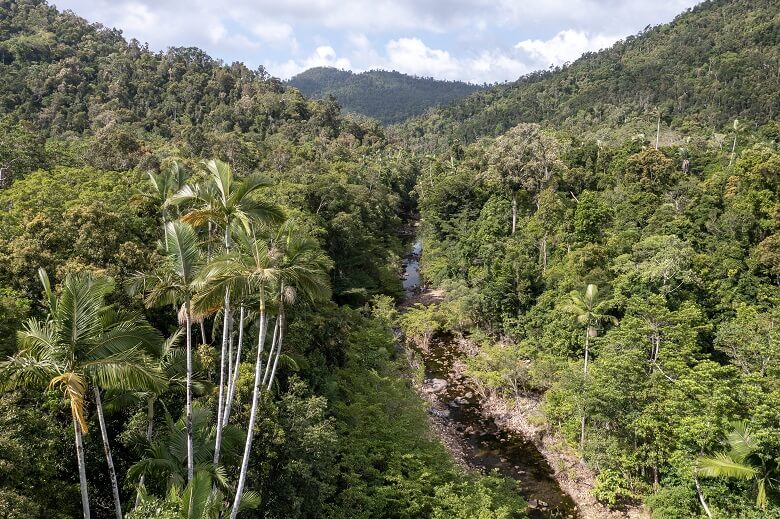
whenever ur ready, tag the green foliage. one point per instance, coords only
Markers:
(389, 97)
(719, 49)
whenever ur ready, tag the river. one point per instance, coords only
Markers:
(484, 444)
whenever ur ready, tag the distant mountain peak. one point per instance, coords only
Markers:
(388, 96)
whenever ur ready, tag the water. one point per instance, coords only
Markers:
(411, 281)
(485, 445)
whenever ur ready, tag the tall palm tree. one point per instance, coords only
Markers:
(249, 271)
(83, 341)
(588, 310)
(221, 202)
(303, 276)
(162, 186)
(174, 283)
(741, 461)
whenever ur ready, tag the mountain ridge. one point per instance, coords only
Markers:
(388, 96)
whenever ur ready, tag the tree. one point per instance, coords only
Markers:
(523, 158)
(588, 311)
(162, 186)
(83, 341)
(741, 461)
(221, 202)
(248, 271)
(173, 283)
(302, 277)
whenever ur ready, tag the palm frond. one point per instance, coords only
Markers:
(722, 465)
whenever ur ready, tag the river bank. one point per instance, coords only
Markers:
(493, 434)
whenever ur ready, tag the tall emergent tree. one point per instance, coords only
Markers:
(588, 310)
(173, 283)
(523, 158)
(83, 341)
(221, 202)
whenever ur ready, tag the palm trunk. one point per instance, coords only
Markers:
(252, 416)
(82, 468)
(107, 451)
(225, 339)
(280, 323)
(236, 365)
(701, 496)
(203, 332)
(514, 211)
(274, 342)
(585, 381)
(190, 460)
(149, 432)
(733, 151)
(223, 355)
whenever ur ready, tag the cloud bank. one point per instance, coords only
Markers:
(470, 40)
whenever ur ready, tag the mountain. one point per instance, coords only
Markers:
(390, 97)
(712, 64)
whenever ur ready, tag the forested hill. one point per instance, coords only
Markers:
(122, 170)
(714, 63)
(389, 97)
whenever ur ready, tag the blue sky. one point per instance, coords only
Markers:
(470, 40)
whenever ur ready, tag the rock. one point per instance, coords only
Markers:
(439, 413)
(435, 385)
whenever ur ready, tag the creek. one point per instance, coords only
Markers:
(485, 446)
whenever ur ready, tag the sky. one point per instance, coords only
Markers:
(480, 41)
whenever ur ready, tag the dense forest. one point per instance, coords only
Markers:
(200, 297)
(389, 97)
(716, 62)
(162, 214)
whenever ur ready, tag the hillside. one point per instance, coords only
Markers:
(389, 97)
(714, 63)
(125, 175)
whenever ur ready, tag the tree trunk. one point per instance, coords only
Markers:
(190, 461)
(585, 381)
(236, 365)
(149, 432)
(223, 355)
(274, 342)
(733, 150)
(701, 496)
(82, 468)
(280, 322)
(514, 211)
(225, 339)
(107, 451)
(203, 332)
(252, 416)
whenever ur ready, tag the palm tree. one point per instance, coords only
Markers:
(162, 186)
(588, 311)
(249, 271)
(83, 341)
(302, 276)
(201, 499)
(166, 462)
(221, 202)
(741, 461)
(174, 283)
(166, 458)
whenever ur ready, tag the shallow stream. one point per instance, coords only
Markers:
(485, 445)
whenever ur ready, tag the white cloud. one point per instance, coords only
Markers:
(323, 56)
(471, 40)
(276, 33)
(565, 46)
(412, 56)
